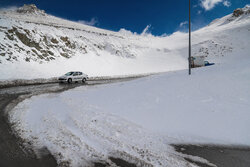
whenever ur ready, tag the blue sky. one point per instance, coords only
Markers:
(163, 16)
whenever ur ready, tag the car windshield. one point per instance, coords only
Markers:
(69, 73)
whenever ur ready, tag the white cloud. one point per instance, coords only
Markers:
(227, 3)
(92, 22)
(209, 4)
(183, 23)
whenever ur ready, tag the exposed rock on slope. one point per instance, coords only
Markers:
(238, 12)
(30, 9)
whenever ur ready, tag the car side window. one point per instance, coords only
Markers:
(75, 74)
(80, 73)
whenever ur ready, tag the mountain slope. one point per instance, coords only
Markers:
(225, 36)
(37, 45)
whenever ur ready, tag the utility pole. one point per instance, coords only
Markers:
(189, 46)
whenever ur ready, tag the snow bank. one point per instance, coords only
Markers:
(211, 106)
(22, 82)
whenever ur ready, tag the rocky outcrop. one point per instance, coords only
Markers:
(240, 11)
(30, 9)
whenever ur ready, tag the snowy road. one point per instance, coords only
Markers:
(220, 155)
(11, 152)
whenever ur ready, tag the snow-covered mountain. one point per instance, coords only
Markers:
(38, 45)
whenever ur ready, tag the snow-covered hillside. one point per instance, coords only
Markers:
(49, 46)
(37, 45)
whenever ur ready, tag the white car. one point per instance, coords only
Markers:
(73, 76)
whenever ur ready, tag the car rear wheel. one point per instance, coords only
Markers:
(83, 80)
(69, 80)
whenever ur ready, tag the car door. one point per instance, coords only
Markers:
(75, 75)
(80, 75)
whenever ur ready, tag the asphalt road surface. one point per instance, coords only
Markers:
(14, 154)
(221, 156)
